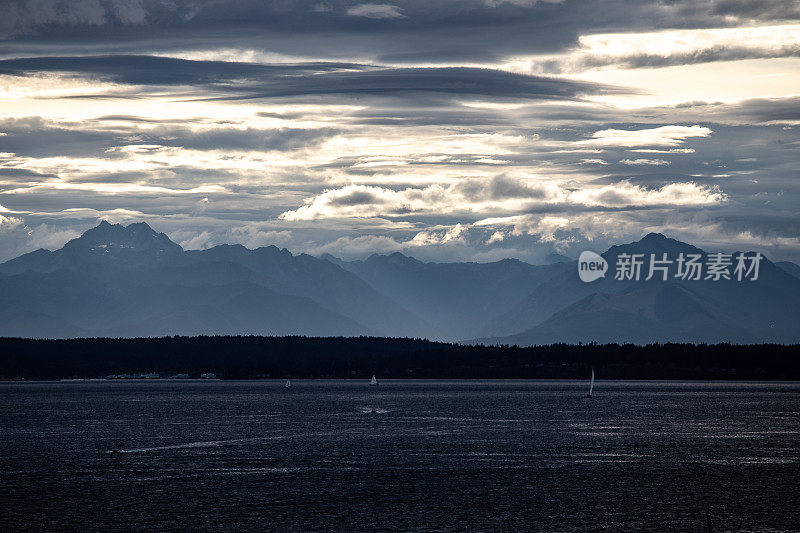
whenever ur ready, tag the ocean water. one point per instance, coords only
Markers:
(435, 455)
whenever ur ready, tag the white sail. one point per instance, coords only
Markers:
(373, 381)
(591, 384)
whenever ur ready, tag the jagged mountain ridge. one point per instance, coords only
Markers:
(568, 310)
(565, 288)
(459, 297)
(114, 280)
(134, 245)
(119, 280)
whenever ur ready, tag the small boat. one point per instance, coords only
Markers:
(287, 384)
(591, 385)
(373, 381)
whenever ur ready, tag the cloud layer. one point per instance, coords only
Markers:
(450, 130)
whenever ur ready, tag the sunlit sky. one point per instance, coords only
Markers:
(448, 130)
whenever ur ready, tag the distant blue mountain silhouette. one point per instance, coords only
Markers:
(130, 280)
(458, 298)
(567, 310)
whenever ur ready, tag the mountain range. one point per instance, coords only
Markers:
(131, 281)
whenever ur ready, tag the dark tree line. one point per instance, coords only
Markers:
(251, 357)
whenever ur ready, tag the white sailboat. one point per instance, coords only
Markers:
(287, 384)
(373, 381)
(591, 385)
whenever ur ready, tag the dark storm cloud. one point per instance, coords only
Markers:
(356, 198)
(22, 172)
(754, 111)
(444, 30)
(248, 80)
(765, 224)
(758, 9)
(150, 70)
(562, 118)
(705, 55)
(37, 137)
(17, 176)
(454, 80)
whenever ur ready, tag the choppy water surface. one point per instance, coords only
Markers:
(489, 455)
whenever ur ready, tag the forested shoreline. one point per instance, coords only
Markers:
(253, 357)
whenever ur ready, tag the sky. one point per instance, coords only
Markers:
(470, 130)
